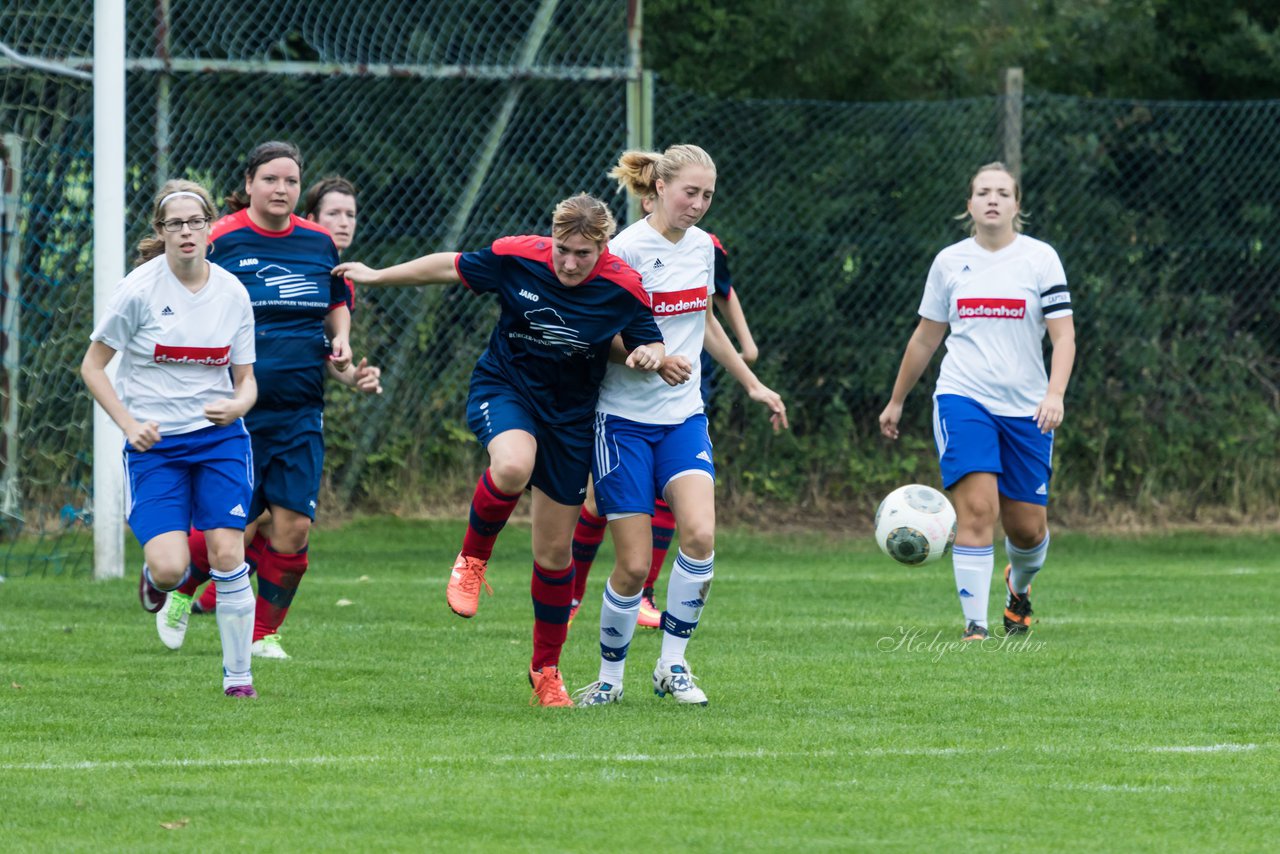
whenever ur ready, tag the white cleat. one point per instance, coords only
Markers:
(597, 694)
(676, 680)
(268, 647)
(171, 619)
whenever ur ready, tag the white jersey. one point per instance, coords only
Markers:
(176, 347)
(680, 277)
(996, 304)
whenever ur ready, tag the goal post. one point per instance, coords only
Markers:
(108, 269)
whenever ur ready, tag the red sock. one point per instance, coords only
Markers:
(664, 528)
(278, 577)
(587, 537)
(199, 563)
(552, 592)
(490, 510)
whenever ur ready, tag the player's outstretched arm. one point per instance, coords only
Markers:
(437, 268)
(731, 308)
(717, 343)
(920, 349)
(93, 368)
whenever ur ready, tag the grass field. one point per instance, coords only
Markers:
(1139, 715)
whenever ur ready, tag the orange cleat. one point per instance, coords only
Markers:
(1017, 608)
(548, 687)
(974, 632)
(650, 617)
(465, 582)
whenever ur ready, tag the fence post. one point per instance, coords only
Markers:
(1011, 121)
(10, 327)
(639, 93)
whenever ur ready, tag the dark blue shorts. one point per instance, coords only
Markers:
(202, 479)
(634, 462)
(288, 457)
(563, 460)
(970, 439)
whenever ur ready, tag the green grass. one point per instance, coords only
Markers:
(1140, 715)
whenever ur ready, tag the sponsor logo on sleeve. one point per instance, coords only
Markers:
(991, 308)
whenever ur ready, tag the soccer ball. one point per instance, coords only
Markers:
(915, 524)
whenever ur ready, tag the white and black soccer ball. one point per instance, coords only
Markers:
(915, 524)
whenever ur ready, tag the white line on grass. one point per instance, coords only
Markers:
(90, 765)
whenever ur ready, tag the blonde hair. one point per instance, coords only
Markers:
(152, 245)
(638, 172)
(583, 215)
(1019, 219)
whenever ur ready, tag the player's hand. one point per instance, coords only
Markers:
(644, 358)
(771, 399)
(675, 370)
(222, 412)
(143, 436)
(368, 378)
(1050, 412)
(889, 419)
(361, 274)
(341, 355)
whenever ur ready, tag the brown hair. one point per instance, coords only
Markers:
(326, 185)
(638, 172)
(152, 245)
(584, 215)
(265, 152)
(1019, 219)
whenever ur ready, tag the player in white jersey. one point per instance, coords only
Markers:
(651, 433)
(995, 410)
(185, 334)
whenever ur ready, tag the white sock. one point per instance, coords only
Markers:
(687, 590)
(617, 627)
(1025, 562)
(236, 605)
(973, 567)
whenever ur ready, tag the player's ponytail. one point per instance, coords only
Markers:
(152, 245)
(586, 216)
(638, 172)
(237, 199)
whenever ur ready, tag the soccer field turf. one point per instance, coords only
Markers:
(1139, 715)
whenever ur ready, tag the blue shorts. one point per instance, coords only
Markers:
(288, 457)
(202, 479)
(970, 439)
(634, 462)
(563, 460)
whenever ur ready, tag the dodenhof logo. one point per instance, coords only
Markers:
(990, 307)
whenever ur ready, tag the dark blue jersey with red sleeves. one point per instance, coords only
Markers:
(724, 283)
(289, 283)
(552, 342)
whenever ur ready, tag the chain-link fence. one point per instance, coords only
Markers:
(464, 121)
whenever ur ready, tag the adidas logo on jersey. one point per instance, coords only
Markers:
(530, 297)
(703, 455)
(238, 510)
(1042, 489)
(248, 262)
(966, 269)
(166, 312)
(657, 264)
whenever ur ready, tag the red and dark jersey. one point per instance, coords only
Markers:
(552, 342)
(724, 282)
(291, 289)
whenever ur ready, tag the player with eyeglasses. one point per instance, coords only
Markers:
(185, 332)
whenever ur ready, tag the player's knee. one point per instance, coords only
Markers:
(166, 571)
(698, 541)
(1026, 534)
(628, 577)
(510, 474)
(226, 555)
(290, 537)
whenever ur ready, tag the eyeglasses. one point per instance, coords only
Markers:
(196, 223)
